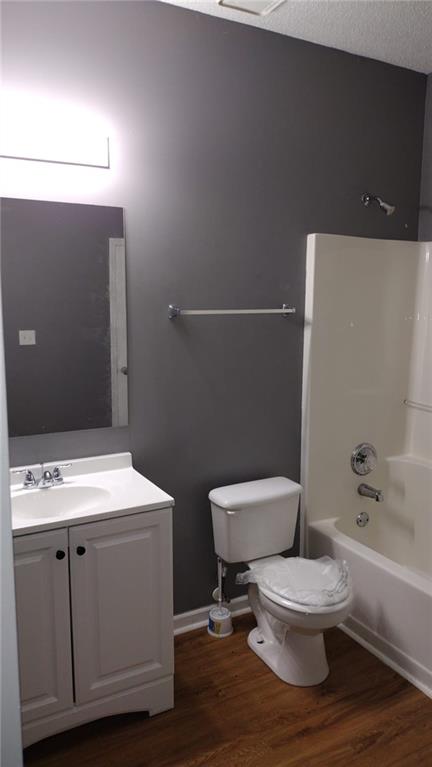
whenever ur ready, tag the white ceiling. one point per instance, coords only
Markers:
(396, 31)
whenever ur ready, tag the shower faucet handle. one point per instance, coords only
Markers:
(364, 458)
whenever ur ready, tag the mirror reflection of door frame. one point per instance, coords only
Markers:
(117, 290)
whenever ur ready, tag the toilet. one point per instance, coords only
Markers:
(293, 599)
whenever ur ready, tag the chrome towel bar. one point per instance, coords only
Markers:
(176, 311)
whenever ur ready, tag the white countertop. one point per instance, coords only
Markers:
(105, 486)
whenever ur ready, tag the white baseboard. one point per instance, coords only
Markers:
(196, 619)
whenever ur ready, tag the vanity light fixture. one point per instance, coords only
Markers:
(257, 7)
(98, 157)
(44, 130)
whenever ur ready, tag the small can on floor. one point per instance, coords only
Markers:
(219, 623)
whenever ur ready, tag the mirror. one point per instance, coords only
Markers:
(64, 307)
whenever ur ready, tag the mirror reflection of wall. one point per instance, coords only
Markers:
(64, 305)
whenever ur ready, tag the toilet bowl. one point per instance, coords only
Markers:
(293, 599)
(289, 635)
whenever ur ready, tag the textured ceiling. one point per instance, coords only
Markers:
(396, 31)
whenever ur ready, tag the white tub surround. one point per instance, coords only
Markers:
(419, 397)
(93, 574)
(367, 354)
(360, 305)
(401, 527)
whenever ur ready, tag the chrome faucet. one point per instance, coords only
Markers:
(370, 492)
(47, 478)
(53, 479)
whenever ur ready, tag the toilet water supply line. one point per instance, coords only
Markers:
(221, 575)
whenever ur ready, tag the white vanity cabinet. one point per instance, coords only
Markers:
(95, 621)
(43, 614)
(122, 616)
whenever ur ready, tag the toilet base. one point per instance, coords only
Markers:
(298, 659)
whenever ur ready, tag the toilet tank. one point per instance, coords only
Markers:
(254, 519)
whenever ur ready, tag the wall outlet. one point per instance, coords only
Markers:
(27, 337)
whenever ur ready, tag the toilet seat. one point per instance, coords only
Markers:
(304, 609)
(302, 585)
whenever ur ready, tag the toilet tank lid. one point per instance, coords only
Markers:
(254, 493)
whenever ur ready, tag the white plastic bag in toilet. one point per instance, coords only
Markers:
(318, 582)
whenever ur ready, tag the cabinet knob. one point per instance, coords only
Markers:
(80, 550)
(60, 554)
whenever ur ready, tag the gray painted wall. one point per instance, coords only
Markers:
(233, 144)
(425, 219)
(55, 280)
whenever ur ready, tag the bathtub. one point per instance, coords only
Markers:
(391, 566)
(366, 355)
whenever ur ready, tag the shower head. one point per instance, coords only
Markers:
(367, 199)
(385, 206)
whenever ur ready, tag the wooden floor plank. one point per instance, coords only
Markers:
(232, 711)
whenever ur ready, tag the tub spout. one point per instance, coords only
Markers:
(370, 492)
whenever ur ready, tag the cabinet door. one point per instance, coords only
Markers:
(121, 588)
(43, 619)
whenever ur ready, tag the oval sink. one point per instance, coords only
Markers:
(57, 501)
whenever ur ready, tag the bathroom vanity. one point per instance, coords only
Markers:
(93, 572)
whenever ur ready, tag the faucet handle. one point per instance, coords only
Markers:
(57, 475)
(29, 478)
